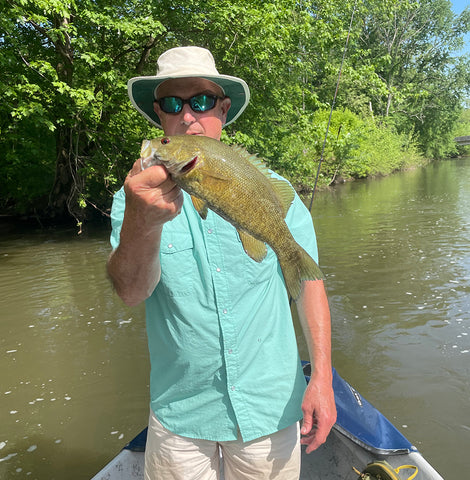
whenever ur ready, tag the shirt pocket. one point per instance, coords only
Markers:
(178, 264)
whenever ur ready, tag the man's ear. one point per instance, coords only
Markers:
(225, 107)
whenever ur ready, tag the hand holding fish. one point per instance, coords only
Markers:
(240, 188)
(152, 196)
(152, 199)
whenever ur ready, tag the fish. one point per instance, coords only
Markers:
(240, 188)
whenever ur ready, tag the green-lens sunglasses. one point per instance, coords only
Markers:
(198, 103)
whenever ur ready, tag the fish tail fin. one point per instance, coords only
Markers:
(296, 268)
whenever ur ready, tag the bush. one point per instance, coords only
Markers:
(355, 148)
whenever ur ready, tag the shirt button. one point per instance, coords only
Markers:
(210, 230)
(217, 269)
(170, 245)
(224, 310)
(232, 388)
(230, 351)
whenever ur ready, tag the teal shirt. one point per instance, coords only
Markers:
(222, 345)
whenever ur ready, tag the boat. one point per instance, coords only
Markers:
(362, 440)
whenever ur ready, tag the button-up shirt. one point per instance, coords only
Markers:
(222, 344)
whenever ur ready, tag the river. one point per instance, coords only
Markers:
(396, 253)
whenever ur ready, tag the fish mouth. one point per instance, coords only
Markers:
(187, 167)
(174, 167)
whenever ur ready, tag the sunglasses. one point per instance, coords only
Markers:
(199, 103)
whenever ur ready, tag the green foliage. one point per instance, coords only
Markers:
(68, 134)
(383, 151)
(406, 60)
(462, 129)
(355, 148)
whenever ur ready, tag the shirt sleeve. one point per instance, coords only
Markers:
(117, 215)
(300, 223)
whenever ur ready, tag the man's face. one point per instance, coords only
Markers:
(189, 122)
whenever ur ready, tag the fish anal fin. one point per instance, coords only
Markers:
(255, 249)
(200, 206)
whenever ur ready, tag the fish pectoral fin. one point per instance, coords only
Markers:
(200, 206)
(215, 176)
(255, 249)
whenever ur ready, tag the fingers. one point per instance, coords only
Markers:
(309, 432)
(307, 423)
(151, 193)
(314, 437)
(139, 181)
(136, 168)
(319, 415)
(316, 432)
(155, 174)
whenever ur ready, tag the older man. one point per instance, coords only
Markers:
(225, 372)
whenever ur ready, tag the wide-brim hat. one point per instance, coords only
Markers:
(185, 62)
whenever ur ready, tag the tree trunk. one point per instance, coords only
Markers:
(63, 198)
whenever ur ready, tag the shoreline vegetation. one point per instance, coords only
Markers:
(69, 135)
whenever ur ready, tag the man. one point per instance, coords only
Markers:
(225, 373)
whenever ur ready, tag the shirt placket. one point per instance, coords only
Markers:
(220, 281)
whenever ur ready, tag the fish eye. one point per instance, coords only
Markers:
(165, 141)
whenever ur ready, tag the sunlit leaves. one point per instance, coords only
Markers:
(65, 65)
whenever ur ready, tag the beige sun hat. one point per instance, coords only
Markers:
(184, 62)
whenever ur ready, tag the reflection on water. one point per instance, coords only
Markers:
(73, 358)
(396, 252)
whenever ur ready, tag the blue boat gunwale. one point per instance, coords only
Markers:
(361, 422)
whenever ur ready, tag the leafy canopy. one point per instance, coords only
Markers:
(68, 133)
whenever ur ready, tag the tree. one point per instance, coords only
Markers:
(68, 133)
(416, 80)
(67, 67)
(68, 63)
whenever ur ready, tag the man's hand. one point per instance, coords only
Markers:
(319, 411)
(152, 198)
(318, 405)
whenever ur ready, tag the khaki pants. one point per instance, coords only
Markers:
(172, 457)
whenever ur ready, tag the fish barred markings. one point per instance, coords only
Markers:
(239, 187)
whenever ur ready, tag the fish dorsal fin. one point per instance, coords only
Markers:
(255, 249)
(200, 206)
(284, 191)
(253, 159)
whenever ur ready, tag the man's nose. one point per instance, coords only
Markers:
(188, 114)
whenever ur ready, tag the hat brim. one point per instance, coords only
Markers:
(142, 90)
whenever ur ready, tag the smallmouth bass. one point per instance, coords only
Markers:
(238, 187)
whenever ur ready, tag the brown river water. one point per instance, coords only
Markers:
(396, 253)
